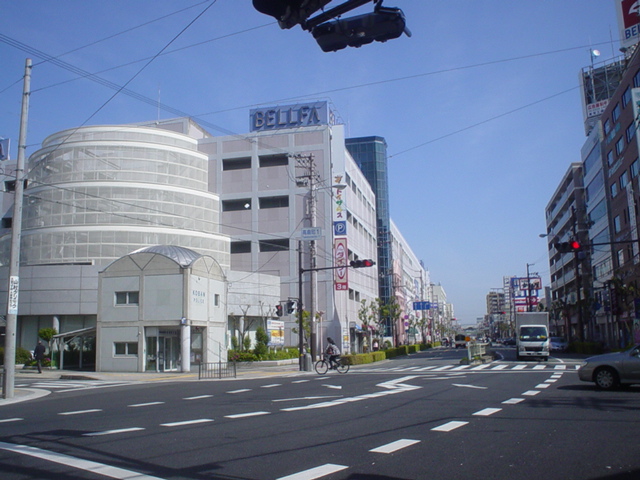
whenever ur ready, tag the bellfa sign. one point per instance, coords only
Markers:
(289, 116)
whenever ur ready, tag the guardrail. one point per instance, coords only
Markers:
(476, 350)
(217, 370)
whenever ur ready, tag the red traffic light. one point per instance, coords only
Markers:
(279, 310)
(362, 263)
(575, 245)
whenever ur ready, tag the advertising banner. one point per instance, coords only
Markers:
(628, 22)
(340, 259)
(275, 330)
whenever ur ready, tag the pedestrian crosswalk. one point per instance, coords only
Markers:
(69, 385)
(489, 367)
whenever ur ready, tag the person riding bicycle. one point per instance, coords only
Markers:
(333, 352)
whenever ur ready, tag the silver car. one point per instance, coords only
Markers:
(612, 369)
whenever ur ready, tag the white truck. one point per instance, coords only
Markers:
(532, 335)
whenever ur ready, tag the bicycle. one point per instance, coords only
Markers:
(322, 366)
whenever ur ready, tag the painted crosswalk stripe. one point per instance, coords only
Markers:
(560, 367)
(539, 367)
(424, 369)
(519, 367)
(531, 393)
(513, 401)
(100, 469)
(447, 427)
(461, 367)
(394, 446)
(543, 385)
(486, 412)
(482, 367)
(500, 367)
(440, 369)
(316, 472)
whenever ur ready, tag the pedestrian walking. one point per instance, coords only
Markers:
(38, 353)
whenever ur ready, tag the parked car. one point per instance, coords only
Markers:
(610, 370)
(509, 341)
(558, 344)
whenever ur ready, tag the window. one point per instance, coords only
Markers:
(631, 132)
(626, 97)
(240, 247)
(236, 163)
(607, 126)
(613, 189)
(274, 202)
(615, 114)
(624, 179)
(125, 348)
(127, 298)
(635, 168)
(620, 145)
(620, 257)
(235, 205)
(216, 299)
(610, 157)
(616, 224)
(274, 160)
(636, 79)
(274, 245)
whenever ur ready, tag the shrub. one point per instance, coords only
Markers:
(22, 356)
(47, 334)
(262, 339)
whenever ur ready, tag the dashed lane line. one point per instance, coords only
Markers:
(81, 412)
(394, 446)
(449, 426)
(316, 472)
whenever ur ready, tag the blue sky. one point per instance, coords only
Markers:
(480, 107)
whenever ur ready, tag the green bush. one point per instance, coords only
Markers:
(235, 356)
(262, 339)
(22, 356)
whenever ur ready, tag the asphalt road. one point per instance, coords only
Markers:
(422, 417)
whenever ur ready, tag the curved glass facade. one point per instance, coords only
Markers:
(98, 193)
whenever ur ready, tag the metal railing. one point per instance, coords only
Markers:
(217, 370)
(476, 350)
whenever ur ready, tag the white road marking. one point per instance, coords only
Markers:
(431, 367)
(240, 391)
(248, 414)
(300, 381)
(199, 397)
(113, 432)
(560, 367)
(315, 472)
(317, 397)
(531, 393)
(519, 367)
(551, 380)
(513, 401)
(79, 412)
(272, 385)
(482, 367)
(148, 404)
(487, 411)
(394, 446)
(539, 367)
(468, 386)
(440, 369)
(187, 422)
(86, 465)
(7, 420)
(335, 387)
(542, 385)
(500, 367)
(447, 427)
(461, 367)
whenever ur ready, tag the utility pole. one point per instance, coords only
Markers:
(13, 289)
(307, 162)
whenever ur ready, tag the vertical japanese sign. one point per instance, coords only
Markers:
(339, 207)
(14, 287)
(340, 257)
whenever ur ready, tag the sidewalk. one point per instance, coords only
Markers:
(244, 371)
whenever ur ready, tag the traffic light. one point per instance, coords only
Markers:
(381, 25)
(289, 13)
(291, 306)
(362, 263)
(568, 247)
(279, 310)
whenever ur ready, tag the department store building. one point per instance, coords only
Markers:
(233, 215)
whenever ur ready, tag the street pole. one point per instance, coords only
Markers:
(300, 309)
(8, 390)
(312, 259)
